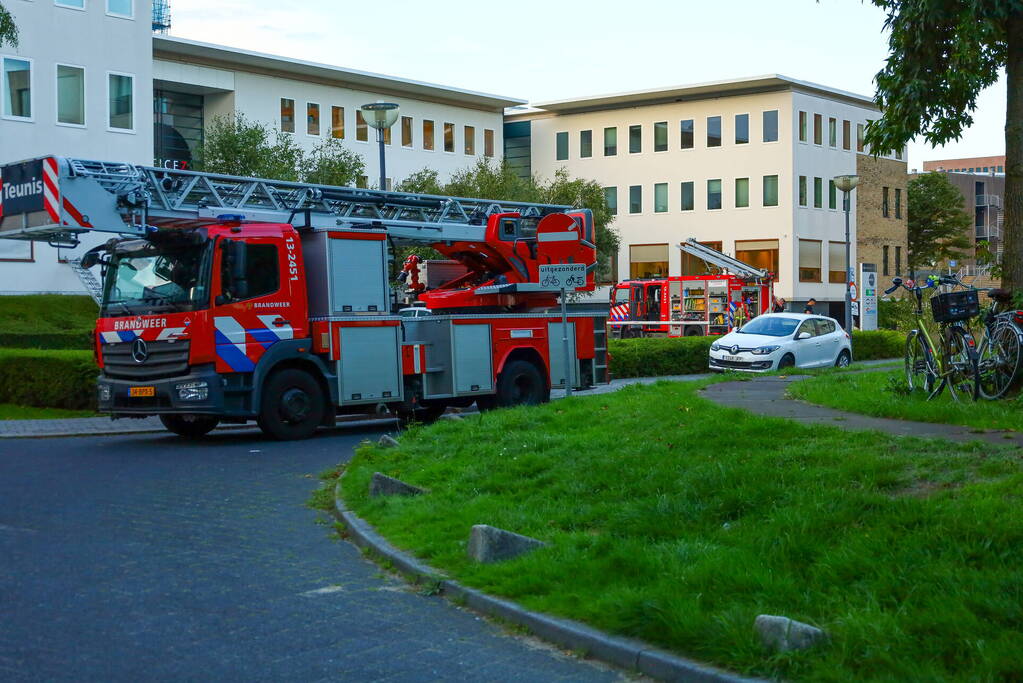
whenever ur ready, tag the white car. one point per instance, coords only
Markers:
(782, 340)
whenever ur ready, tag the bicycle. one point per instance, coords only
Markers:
(1001, 346)
(956, 364)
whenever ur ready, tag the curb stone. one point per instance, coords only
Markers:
(626, 653)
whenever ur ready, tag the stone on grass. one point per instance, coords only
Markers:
(451, 416)
(382, 485)
(489, 544)
(387, 441)
(782, 634)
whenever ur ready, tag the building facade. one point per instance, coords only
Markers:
(745, 166)
(994, 164)
(882, 216)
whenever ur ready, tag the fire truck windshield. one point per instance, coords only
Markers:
(145, 278)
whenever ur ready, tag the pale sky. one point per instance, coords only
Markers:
(546, 50)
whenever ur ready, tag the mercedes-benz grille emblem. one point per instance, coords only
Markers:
(735, 349)
(139, 351)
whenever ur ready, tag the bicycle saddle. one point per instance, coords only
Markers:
(1002, 296)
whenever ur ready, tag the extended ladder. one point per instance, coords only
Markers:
(715, 257)
(87, 279)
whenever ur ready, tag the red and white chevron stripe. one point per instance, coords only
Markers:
(51, 193)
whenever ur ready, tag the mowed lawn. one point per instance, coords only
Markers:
(677, 521)
(884, 394)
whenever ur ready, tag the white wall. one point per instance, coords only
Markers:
(89, 38)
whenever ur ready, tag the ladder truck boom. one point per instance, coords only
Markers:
(229, 299)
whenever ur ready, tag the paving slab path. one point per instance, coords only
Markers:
(767, 396)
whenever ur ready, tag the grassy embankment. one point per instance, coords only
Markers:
(677, 521)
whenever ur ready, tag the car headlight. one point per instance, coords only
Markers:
(764, 350)
(715, 347)
(192, 391)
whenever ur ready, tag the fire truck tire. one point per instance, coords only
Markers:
(694, 331)
(190, 426)
(292, 405)
(521, 383)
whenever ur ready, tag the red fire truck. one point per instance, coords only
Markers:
(228, 299)
(692, 305)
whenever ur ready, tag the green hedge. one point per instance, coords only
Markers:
(47, 321)
(658, 356)
(48, 379)
(77, 339)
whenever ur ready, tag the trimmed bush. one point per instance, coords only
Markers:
(46, 321)
(48, 379)
(79, 339)
(878, 344)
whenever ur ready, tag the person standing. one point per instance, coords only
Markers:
(779, 306)
(809, 306)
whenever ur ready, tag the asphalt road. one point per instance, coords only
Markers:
(146, 557)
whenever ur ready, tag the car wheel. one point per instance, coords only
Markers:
(787, 361)
(843, 359)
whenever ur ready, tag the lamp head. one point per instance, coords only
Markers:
(846, 183)
(380, 115)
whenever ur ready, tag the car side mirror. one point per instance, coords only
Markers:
(803, 335)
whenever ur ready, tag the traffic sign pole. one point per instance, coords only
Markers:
(564, 343)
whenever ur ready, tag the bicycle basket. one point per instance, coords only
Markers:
(952, 307)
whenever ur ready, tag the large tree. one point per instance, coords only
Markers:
(938, 223)
(942, 54)
(8, 31)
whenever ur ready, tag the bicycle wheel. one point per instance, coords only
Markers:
(999, 359)
(920, 370)
(960, 359)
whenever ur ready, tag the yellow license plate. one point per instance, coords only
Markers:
(141, 392)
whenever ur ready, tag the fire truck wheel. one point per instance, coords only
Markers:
(292, 405)
(190, 426)
(693, 331)
(521, 383)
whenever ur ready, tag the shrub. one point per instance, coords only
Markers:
(657, 356)
(878, 344)
(48, 379)
(46, 321)
(79, 339)
(896, 314)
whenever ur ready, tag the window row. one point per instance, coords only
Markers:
(978, 169)
(885, 263)
(811, 267)
(687, 195)
(834, 131)
(885, 210)
(16, 90)
(687, 135)
(428, 129)
(115, 8)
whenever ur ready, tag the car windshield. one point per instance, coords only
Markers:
(770, 326)
(146, 278)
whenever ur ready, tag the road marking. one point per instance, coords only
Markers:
(4, 527)
(322, 591)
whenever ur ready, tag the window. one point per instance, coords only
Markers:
(261, 273)
(70, 95)
(17, 88)
(488, 142)
(884, 202)
(17, 250)
(635, 198)
(741, 193)
(648, 260)
(741, 129)
(714, 194)
(449, 137)
(832, 195)
(693, 265)
(836, 262)
(120, 8)
(898, 261)
(428, 139)
(713, 131)
(121, 101)
(661, 136)
(771, 126)
(611, 199)
(687, 196)
(859, 137)
(361, 128)
(846, 134)
(770, 190)
(287, 115)
(73, 4)
(833, 132)
(660, 197)
(818, 129)
(561, 146)
(469, 143)
(759, 254)
(898, 202)
(406, 131)
(818, 193)
(802, 190)
(312, 118)
(337, 122)
(884, 260)
(802, 126)
(687, 131)
(635, 139)
(1001, 170)
(610, 142)
(586, 144)
(809, 261)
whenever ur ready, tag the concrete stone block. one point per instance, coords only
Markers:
(382, 485)
(387, 441)
(489, 544)
(782, 634)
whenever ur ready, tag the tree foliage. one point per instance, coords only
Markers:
(938, 223)
(234, 145)
(942, 54)
(8, 30)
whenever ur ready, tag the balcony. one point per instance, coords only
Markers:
(992, 200)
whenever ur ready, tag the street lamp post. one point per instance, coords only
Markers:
(380, 115)
(847, 183)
